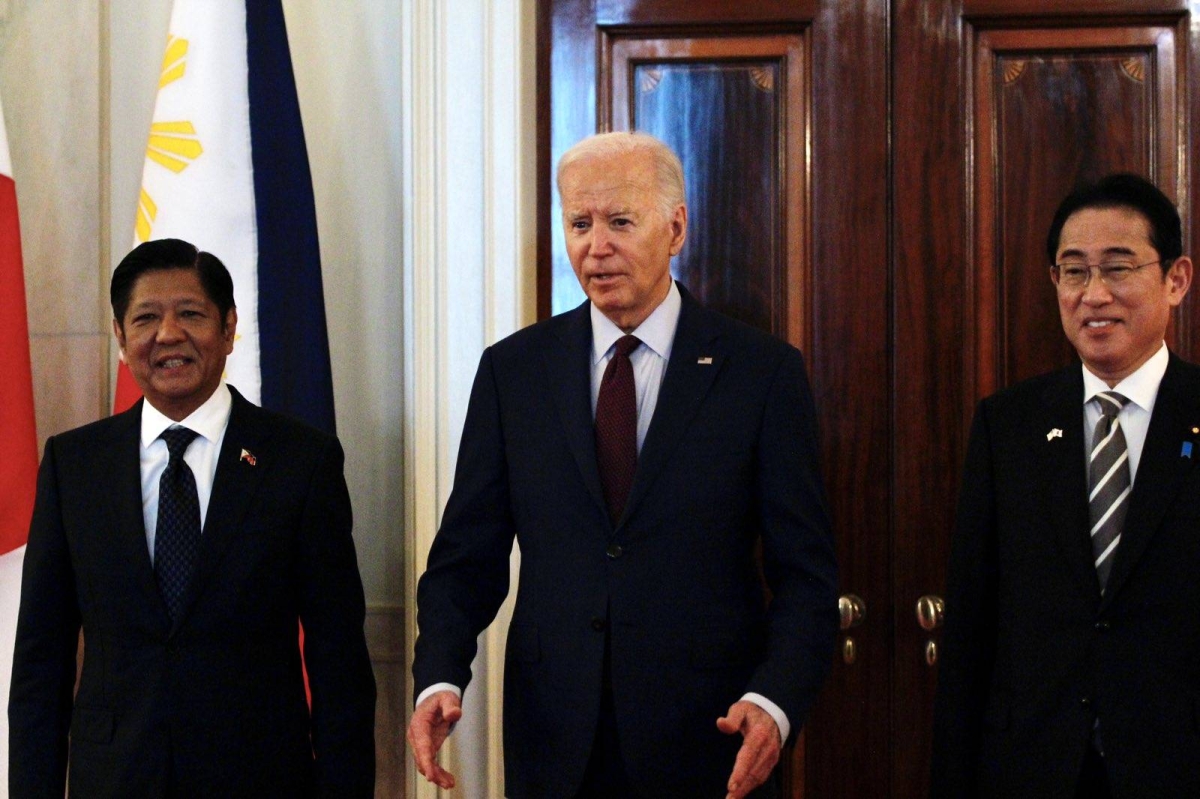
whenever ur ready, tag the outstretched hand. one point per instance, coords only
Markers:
(431, 724)
(760, 746)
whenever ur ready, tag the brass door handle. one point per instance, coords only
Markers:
(931, 611)
(852, 611)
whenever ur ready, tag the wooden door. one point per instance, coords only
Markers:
(872, 181)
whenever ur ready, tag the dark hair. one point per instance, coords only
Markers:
(1125, 190)
(162, 254)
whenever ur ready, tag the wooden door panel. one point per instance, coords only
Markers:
(873, 181)
(733, 109)
(1054, 107)
(731, 88)
(1002, 107)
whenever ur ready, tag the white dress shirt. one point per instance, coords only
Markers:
(649, 361)
(1141, 389)
(209, 421)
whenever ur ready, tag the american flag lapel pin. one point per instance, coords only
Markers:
(705, 361)
(248, 457)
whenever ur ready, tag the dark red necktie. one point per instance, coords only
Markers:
(616, 427)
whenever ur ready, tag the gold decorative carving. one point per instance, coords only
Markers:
(1013, 71)
(1135, 68)
(650, 79)
(763, 78)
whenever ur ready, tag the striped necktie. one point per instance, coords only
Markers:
(1109, 484)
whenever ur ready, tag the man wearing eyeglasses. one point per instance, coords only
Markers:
(1071, 660)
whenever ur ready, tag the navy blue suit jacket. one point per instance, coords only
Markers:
(212, 704)
(730, 458)
(1033, 653)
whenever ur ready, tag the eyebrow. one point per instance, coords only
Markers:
(1075, 252)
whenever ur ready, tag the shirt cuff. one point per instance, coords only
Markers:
(773, 710)
(443, 686)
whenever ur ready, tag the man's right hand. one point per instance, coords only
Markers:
(431, 723)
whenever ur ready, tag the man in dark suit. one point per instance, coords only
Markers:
(1071, 661)
(187, 537)
(637, 448)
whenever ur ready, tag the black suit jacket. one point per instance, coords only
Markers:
(730, 455)
(214, 704)
(1033, 653)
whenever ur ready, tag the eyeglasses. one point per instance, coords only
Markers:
(1076, 275)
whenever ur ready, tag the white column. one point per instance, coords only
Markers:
(469, 279)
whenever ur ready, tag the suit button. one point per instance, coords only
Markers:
(615, 551)
(1103, 626)
(599, 625)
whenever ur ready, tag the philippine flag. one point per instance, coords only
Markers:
(227, 169)
(18, 441)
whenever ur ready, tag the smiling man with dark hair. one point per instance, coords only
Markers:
(187, 537)
(1071, 663)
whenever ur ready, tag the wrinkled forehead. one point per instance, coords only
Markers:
(608, 170)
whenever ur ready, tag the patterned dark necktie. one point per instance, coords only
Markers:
(177, 537)
(616, 427)
(1109, 484)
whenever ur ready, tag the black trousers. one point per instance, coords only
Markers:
(1093, 777)
(606, 776)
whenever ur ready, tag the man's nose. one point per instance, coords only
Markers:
(169, 329)
(601, 243)
(1096, 291)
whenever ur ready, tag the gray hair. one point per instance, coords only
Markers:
(668, 170)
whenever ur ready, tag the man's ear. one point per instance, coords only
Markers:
(120, 334)
(678, 229)
(230, 329)
(1180, 278)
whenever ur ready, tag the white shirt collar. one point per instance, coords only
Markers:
(657, 331)
(1140, 388)
(208, 420)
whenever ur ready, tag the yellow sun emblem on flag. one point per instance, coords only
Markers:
(173, 145)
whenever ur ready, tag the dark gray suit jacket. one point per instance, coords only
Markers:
(1033, 653)
(730, 456)
(214, 704)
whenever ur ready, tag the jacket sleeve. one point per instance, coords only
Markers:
(798, 550)
(43, 675)
(332, 613)
(466, 578)
(969, 639)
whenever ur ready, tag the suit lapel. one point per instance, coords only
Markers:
(121, 459)
(1058, 439)
(684, 387)
(234, 486)
(1161, 470)
(568, 371)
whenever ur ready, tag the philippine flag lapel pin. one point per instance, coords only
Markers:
(248, 457)
(705, 360)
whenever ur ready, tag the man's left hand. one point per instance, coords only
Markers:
(760, 746)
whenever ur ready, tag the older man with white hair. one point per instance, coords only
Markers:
(638, 447)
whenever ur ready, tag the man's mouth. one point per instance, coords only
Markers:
(173, 362)
(1099, 323)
